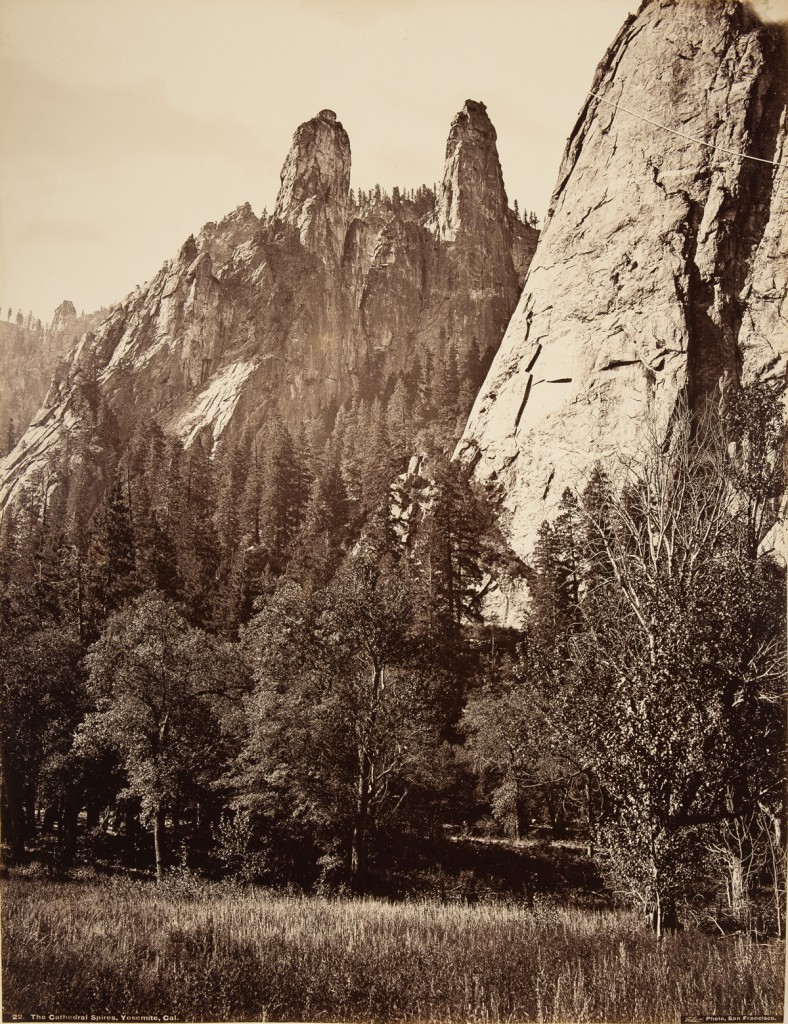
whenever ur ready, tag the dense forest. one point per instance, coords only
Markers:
(269, 661)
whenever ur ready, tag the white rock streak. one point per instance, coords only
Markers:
(32, 456)
(216, 403)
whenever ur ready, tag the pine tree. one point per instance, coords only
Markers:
(471, 370)
(252, 496)
(355, 428)
(278, 497)
(156, 554)
(471, 377)
(424, 401)
(325, 532)
(233, 467)
(302, 474)
(448, 553)
(10, 436)
(398, 425)
(195, 535)
(111, 570)
(447, 389)
(554, 578)
(378, 466)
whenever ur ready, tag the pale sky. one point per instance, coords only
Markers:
(127, 124)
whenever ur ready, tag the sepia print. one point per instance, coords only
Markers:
(392, 556)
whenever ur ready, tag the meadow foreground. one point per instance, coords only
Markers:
(198, 951)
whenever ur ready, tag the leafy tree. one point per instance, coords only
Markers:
(516, 743)
(42, 701)
(367, 618)
(680, 662)
(754, 418)
(343, 719)
(161, 689)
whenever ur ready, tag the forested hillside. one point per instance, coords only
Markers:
(257, 664)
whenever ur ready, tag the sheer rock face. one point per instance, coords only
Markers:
(662, 264)
(301, 311)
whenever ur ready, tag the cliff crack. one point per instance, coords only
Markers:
(533, 358)
(522, 404)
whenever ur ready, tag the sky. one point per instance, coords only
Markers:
(127, 124)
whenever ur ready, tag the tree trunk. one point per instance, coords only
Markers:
(158, 842)
(175, 835)
(359, 843)
(14, 828)
(131, 831)
(30, 812)
(522, 817)
(358, 849)
(67, 837)
(737, 887)
(664, 916)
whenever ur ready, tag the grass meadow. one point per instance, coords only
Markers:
(207, 952)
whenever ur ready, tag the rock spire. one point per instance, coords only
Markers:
(315, 184)
(472, 197)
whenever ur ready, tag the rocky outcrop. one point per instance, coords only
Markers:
(231, 231)
(64, 322)
(333, 297)
(662, 264)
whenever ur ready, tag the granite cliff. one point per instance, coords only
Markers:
(332, 297)
(662, 266)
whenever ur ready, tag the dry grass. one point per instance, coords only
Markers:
(211, 954)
